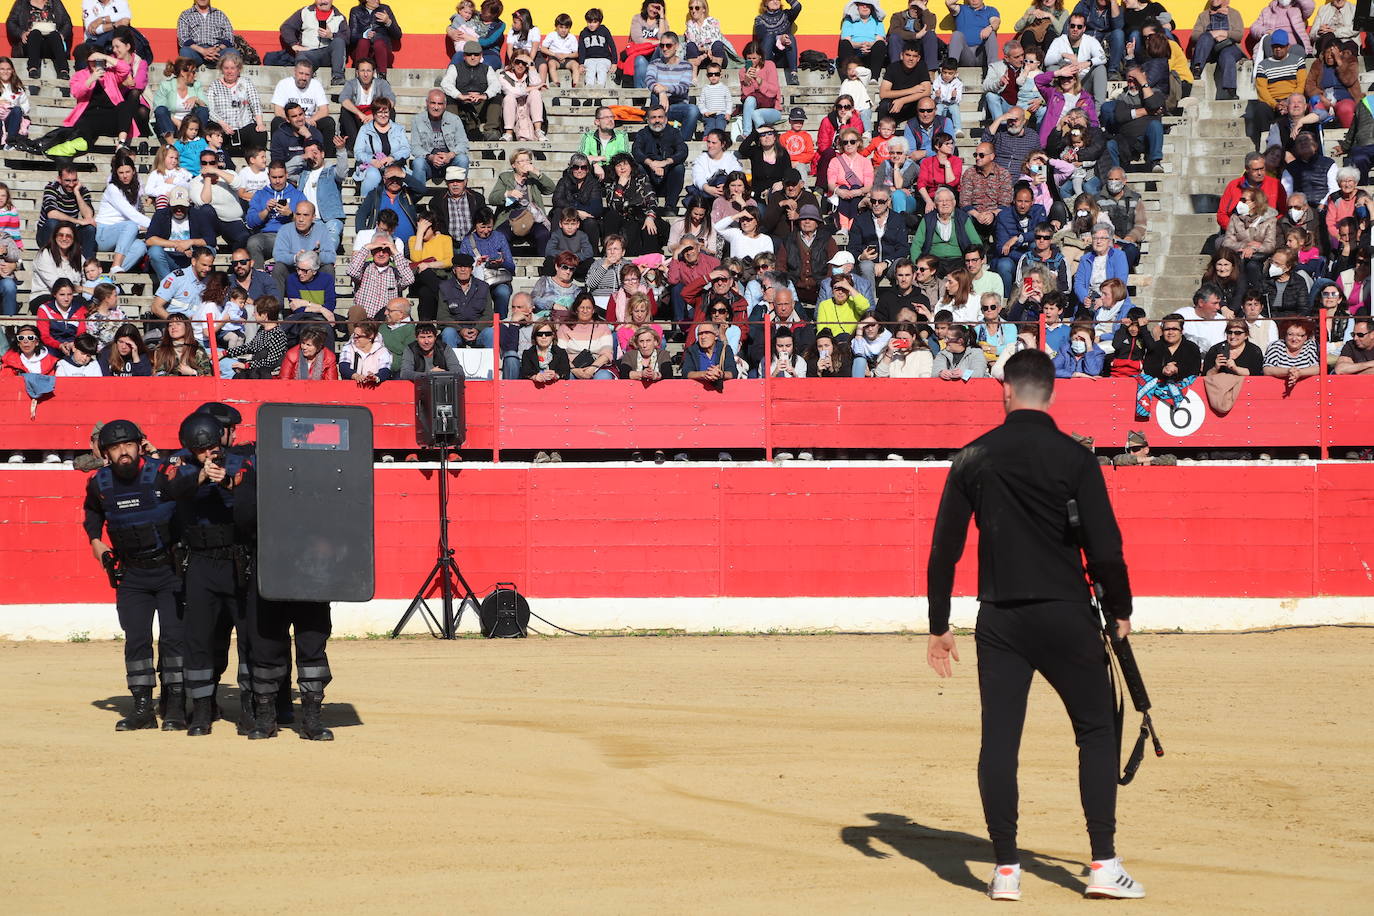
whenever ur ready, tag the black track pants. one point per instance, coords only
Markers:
(143, 593)
(1062, 641)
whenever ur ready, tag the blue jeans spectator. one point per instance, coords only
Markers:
(372, 177)
(13, 121)
(1361, 157)
(162, 261)
(786, 58)
(687, 115)
(995, 105)
(754, 116)
(1005, 267)
(195, 55)
(122, 239)
(642, 63)
(680, 306)
(1154, 136)
(1115, 43)
(950, 110)
(510, 364)
(450, 336)
(164, 125)
(712, 122)
(9, 297)
(859, 368)
(1205, 51)
(420, 170)
(500, 299)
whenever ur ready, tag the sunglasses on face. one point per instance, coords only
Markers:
(666, 45)
(1045, 238)
(982, 155)
(1360, 334)
(844, 107)
(1236, 331)
(925, 110)
(720, 311)
(720, 279)
(240, 263)
(543, 333)
(851, 142)
(26, 337)
(562, 267)
(991, 308)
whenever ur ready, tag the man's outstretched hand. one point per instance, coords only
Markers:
(939, 652)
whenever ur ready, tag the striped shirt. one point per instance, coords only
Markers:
(1276, 354)
(55, 197)
(204, 29)
(676, 78)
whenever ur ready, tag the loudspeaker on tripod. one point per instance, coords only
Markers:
(439, 414)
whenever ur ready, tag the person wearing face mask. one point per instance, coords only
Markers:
(1287, 290)
(1217, 35)
(1126, 210)
(1082, 358)
(1252, 232)
(1284, 15)
(1299, 214)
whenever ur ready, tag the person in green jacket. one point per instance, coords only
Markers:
(946, 233)
(602, 141)
(181, 93)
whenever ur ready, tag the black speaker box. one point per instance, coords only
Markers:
(439, 417)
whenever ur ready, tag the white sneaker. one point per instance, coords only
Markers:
(805, 456)
(1109, 880)
(17, 458)
(1005, 883)
(52, 458)
(782, 456)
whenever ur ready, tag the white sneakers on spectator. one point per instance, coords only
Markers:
(782, 456)
(1005, 883)
(1108, 880)
(805, 456)
(52, 458)
(17, 458)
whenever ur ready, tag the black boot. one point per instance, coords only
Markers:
(264, 719)
(245, 723)
(285, 713)
(202, 717)
(144, 714)
(173, 708)
(311, 729)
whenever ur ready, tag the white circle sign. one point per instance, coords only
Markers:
(1183, 420)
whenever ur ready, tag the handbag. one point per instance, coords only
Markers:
(521, 221)
(1222, 391)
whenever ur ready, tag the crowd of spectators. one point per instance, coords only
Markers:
(896, 236)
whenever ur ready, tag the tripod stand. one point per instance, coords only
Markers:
(446, 571)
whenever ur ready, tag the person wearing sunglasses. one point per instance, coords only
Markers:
(242, 275)
(29, 354)
(1357, 356)
(669, 81)
(841, 117)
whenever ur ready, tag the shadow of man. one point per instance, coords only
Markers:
(947, 853)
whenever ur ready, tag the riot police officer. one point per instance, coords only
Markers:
(131, 499)
(216, 566)
(272, 623)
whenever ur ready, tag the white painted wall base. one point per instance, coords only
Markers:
(742, 615)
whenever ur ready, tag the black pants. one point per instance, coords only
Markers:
(425, 289)
(1259, 117)
(875, 60)
(273, 621)
(48, 46)
(143, 593)
(107, 120)
(215, 605)
(236, 141)
(1061, 640)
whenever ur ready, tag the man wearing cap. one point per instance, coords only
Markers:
(797, 140)
(877, 237)
(1278, 74)
(174, 230)
(804, 252)
(471, 86)
(455, 208)
(1138, 453)
(129, 498)
(270, 209)
(438, 140)
(782, 206)
(468, 300)
(843, 265)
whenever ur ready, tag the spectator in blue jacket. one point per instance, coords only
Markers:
(1098, 265)
(1013, 234)
(305, 233)
(1082, 358)
(1107, 24)
(491, 252)
(270, 209)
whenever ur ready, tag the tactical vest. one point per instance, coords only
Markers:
(211, 525)
(138, 520)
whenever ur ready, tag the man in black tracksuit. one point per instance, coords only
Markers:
(129, 498)
(1035, 613)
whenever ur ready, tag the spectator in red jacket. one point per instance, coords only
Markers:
(29, 356)
(1255, 177)
(61, 318)
(310, 359)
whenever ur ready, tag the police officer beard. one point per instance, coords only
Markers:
(125, 466)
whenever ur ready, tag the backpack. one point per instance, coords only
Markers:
(247, 51)
(816, 60)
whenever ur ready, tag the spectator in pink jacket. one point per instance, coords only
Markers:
(1290, 15)
(97, 71)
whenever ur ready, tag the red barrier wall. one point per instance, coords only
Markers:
(747, 414)
(760, 531)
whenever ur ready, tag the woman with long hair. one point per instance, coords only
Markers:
(126, 355)
(738, 195)
(119, 219)
(374, 34)
(589, 343)
(522, 103)
(181, 94)
(637, 315)
(645, 30)
(14, 104)
(108, 92)
(60, 259)
(773, 28)
(760, 94)
(703, 40)
(1225, 272)
(165, 174)
(179, 353)
(840, 117)
(695, 221)
(768, 162)
(850, 175)
(958, 296)
(491, 32)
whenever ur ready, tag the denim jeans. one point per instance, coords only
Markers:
(510, 364)
(500, 298)
(450, 336)
(420, 170)
(9, 297)
(754, 116)
(163, 123)
(688, 114)
(194, 55)
(162, 261)
(121, 238)
(995, 105)
(642, 68)
(712, 122)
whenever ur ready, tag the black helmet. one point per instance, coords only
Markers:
(199, 431)
(117, 431)
(227, 416)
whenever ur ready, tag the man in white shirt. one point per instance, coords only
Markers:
(223, 204)
(101, 19)
(1082, 51)
(302, 88)
(1202, 321)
